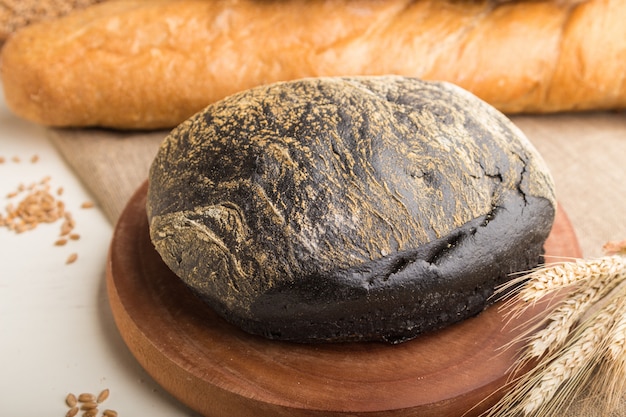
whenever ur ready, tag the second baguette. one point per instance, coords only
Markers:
(152, 64)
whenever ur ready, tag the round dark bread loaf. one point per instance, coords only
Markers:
(343, 209)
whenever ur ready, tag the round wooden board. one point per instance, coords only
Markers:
(220, 371)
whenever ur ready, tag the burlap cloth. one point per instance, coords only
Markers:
(586, 154)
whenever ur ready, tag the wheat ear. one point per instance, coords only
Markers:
(600, 277)
(587, 282)
(574, 365)
(550, 387)
(600, 272)
(579, 345)
(559, 323)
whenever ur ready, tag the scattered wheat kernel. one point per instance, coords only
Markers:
(109, 413)
(89, 405)
(60, 242)
(60, 191)
(15, 159)
(86, 397)
(74, 236)
(12, 194)
(69, 219)
(66, 228)
(70, 400)
(103, 396)
(71, 259)
(91, 413)
(87, 204)
(2, 160)
(72, 412)
(34, 158)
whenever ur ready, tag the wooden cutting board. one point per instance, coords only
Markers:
(220, 371)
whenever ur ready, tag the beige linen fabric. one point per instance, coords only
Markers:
(111, 164)
(586, 154)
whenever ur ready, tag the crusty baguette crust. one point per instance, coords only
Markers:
(152, 64)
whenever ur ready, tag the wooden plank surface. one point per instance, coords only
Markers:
(220, 371)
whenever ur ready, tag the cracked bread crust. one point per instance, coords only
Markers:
(336, 209)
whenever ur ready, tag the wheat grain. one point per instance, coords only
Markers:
(71, 258)
(86, 397)
(70, 400)
(91, 413)
(89, 405)
(104, 394)
(66, 228)
(39, 206)
(615, 248)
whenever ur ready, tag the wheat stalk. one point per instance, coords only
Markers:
(608, 386)
(617, 339)
(576, 361)
(579, 345)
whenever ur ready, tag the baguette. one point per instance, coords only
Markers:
(15, 14)
(152, 64)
